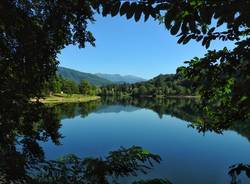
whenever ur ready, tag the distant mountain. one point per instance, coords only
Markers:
(98, 79)
(78, 76)
(117, 78)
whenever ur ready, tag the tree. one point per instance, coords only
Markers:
(55, 85)
(142, 90)
(30, 42)
(94, 90)
(159, 86)
(84, 87)
(69, 87)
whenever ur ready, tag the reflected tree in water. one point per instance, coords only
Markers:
(153, 181)
(236, 170)
(121, 163)
(187, 109)
(20, 134)
(22, 155)
(22, 159)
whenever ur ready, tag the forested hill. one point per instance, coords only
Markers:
(98, 79)
(162, 85)
(117, 78)
(78, 76)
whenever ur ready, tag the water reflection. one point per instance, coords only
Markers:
(236, 169)
(22, 158)
(121, 163)
(187, 109)
(21, 130)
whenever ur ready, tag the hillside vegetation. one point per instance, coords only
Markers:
(168, 85)
(98, 79)
(78, 76)
(160, 86)
(117, 78)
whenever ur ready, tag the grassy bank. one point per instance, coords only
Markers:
(66, 98)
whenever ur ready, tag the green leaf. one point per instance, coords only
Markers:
(199, 38)
(106, 10)
(152, 12)
(115, 8)
(145, 152)
(95, 5)
(174, 30)
(187, 39)
(131, 10)
(211, 30)
(206, 14)
(181, 39)
(208, 43)
(243, 98)
(146, 12)
(204, 40)
(184, 27)
(169, 17)
(138, 12)
(219, 22)
(124, 8)
(204, 29)
(192, 25)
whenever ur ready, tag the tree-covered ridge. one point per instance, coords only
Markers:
(160, 86)
(78, 76)
(98, 79)
(117, 78)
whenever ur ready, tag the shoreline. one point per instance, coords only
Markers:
(77, 98)
(65, 98)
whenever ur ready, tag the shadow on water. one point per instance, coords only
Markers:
(22, 128)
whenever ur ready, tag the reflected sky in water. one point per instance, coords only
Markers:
(188, 156)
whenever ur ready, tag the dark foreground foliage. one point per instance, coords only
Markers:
(33, 32)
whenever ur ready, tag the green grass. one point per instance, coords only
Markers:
(66, 98)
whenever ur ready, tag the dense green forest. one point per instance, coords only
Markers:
(74, 82)
(160, 86)
(62, 85)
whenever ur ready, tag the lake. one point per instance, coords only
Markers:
(191, 153)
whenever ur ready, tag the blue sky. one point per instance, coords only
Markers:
(144, 49)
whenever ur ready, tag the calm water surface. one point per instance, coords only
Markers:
(188, 155)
